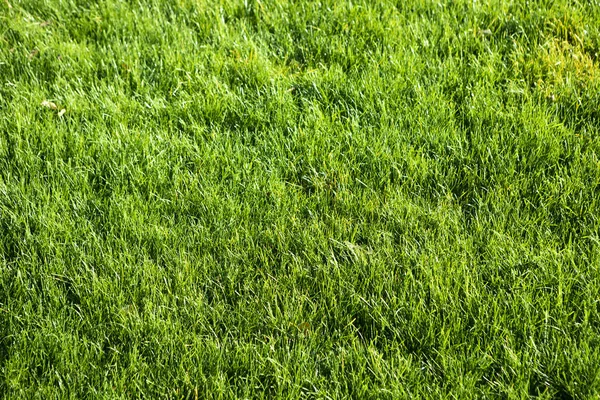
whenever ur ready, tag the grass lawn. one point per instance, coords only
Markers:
(299, 199)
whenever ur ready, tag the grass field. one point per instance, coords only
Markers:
(299, 199)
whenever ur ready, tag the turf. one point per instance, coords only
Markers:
(299, 199)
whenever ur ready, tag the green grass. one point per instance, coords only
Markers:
(280, 199)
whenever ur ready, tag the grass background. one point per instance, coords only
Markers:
(322, 199)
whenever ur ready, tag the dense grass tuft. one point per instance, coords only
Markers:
(328, 199)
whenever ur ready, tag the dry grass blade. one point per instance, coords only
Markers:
(49, 104)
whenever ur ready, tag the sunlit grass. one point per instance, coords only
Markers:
(277, 199)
